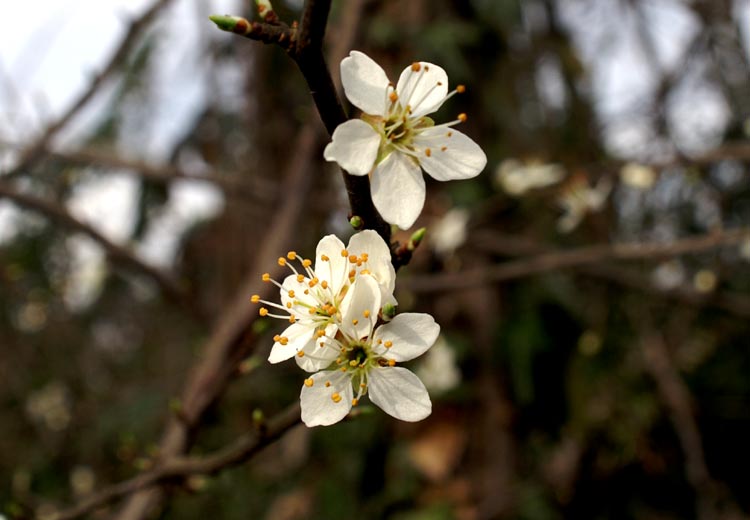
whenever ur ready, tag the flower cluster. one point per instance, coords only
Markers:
(337, 307)
(394, 137)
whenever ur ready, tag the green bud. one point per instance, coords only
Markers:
(389, 311)
(416, 238)
(229, 23)
(356, 222)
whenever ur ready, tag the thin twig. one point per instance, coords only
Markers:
(178, 468)
(570, 259)
(36, 150)
(117, 253)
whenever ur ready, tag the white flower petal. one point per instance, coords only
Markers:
(399, 393)
(424, 91)
(317, 357)
(398, 190)
(291, 284)
(299, 336)
(410, 333)
(318, 406)
(365, 83)
(335, 269)
(378, 263)
(359, 310)
(452, 155)
(354, 147)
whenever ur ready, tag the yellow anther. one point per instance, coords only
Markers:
(353, 259)
(355, 321)
(339, 361)
(301, 353)
(380, 341)
(359, 263)
(312, 311)
(307, 291)
(353, 363)
(365, 271)
(255, 298)
(282, 260)
(324, 284)
(321, 333)
(352, 273)
(336, 397)
(324, 258)
(276, 337)
(266, 277)
(283, 340)
(416, 66)
(388, 344)
(292, 319)
(363, 385)
(309, 382)
(344, 253)
(355, 402)
(300, 278)
(322, 344)
(291, 294)
(427, 152)
(393, 96)
(263, 311)
(313, 282)
(366, 314)
(443, 148)
(343, 369)
(449, 134)
(462, 117)
(288, 305)
(306, 262)
(391, 362)
(328, 383)
(461, 89)
(291, 255)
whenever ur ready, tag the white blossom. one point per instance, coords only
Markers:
(394, 137)
(638, 176)
(313, 295)
(517, 178)
(579, 199)
(449, 232)
(365, 361)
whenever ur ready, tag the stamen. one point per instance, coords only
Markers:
(355, 321)
(324, 258)
(391, 362)
(306, 263)
(353, 363)
(393, 97)
(443, 148)
(288, 305)
(291, 255)
(309, 382)
(300, 278)
(283, 340)
(427, 152)
(388, 344)
(255, 298)
(321, 333)
(263, 311)
(344, 253)
(336, 397)
(462, 117)
(416, 66)
(355, 402)
(301, 353)
(328, 383)
(292, 319)
(353, 259)
(324, 284)
(282, 261)
(461, 89)
(266, 277)
(366, 313)
(291, 293)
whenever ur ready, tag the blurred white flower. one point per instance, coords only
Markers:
(449, 232)
(516, 178)
(638, 176)
(50, 406)
(668, 275)
(578, 198)
(438, 370)
(745, 249)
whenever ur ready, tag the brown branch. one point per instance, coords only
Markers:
(247, 188)
(36, 150)
(117, 253)
(178, 468)
(304, 45)
(569, 259)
